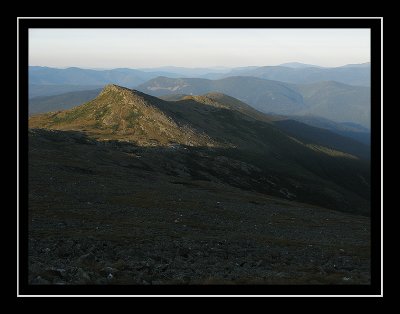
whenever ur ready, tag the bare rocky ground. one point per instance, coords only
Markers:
(104, 214)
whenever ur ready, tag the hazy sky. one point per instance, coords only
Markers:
(136, 48)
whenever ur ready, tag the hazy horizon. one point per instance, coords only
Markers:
(196, 48)
(173, 66)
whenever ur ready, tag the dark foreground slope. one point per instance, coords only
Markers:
(116, 213)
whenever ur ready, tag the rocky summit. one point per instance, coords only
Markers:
(120, 113)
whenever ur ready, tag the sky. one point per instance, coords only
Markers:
(144, 48)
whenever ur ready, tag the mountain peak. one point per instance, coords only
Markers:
(124, 114)
(114, 88)
(298, 65)
(125, 92)
(205, 100)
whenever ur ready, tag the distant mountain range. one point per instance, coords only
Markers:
(331, 100)
(61, 101)
(355, 74)
(228, 141)
(78, 76)
(298, 65)
(35, 90)
(337, 102)
(188, 72)
(294, 72)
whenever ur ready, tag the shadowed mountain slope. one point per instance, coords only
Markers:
(301, 131)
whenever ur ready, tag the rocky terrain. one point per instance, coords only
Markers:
(109, 212)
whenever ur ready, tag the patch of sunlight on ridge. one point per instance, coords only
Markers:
(325, 150)
(330, 152)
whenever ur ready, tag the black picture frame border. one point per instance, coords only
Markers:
(374, 24)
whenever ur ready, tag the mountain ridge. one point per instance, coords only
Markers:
(125, 118)
(68, 100)
(291, 125)
(259, 148)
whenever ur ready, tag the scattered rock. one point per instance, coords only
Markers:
(54, 272)
(184, 252)
(108, 270)
(59, 282)
(82, 276)
(63, 252)
(87, 260)
(157, 282)
(40, 281)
